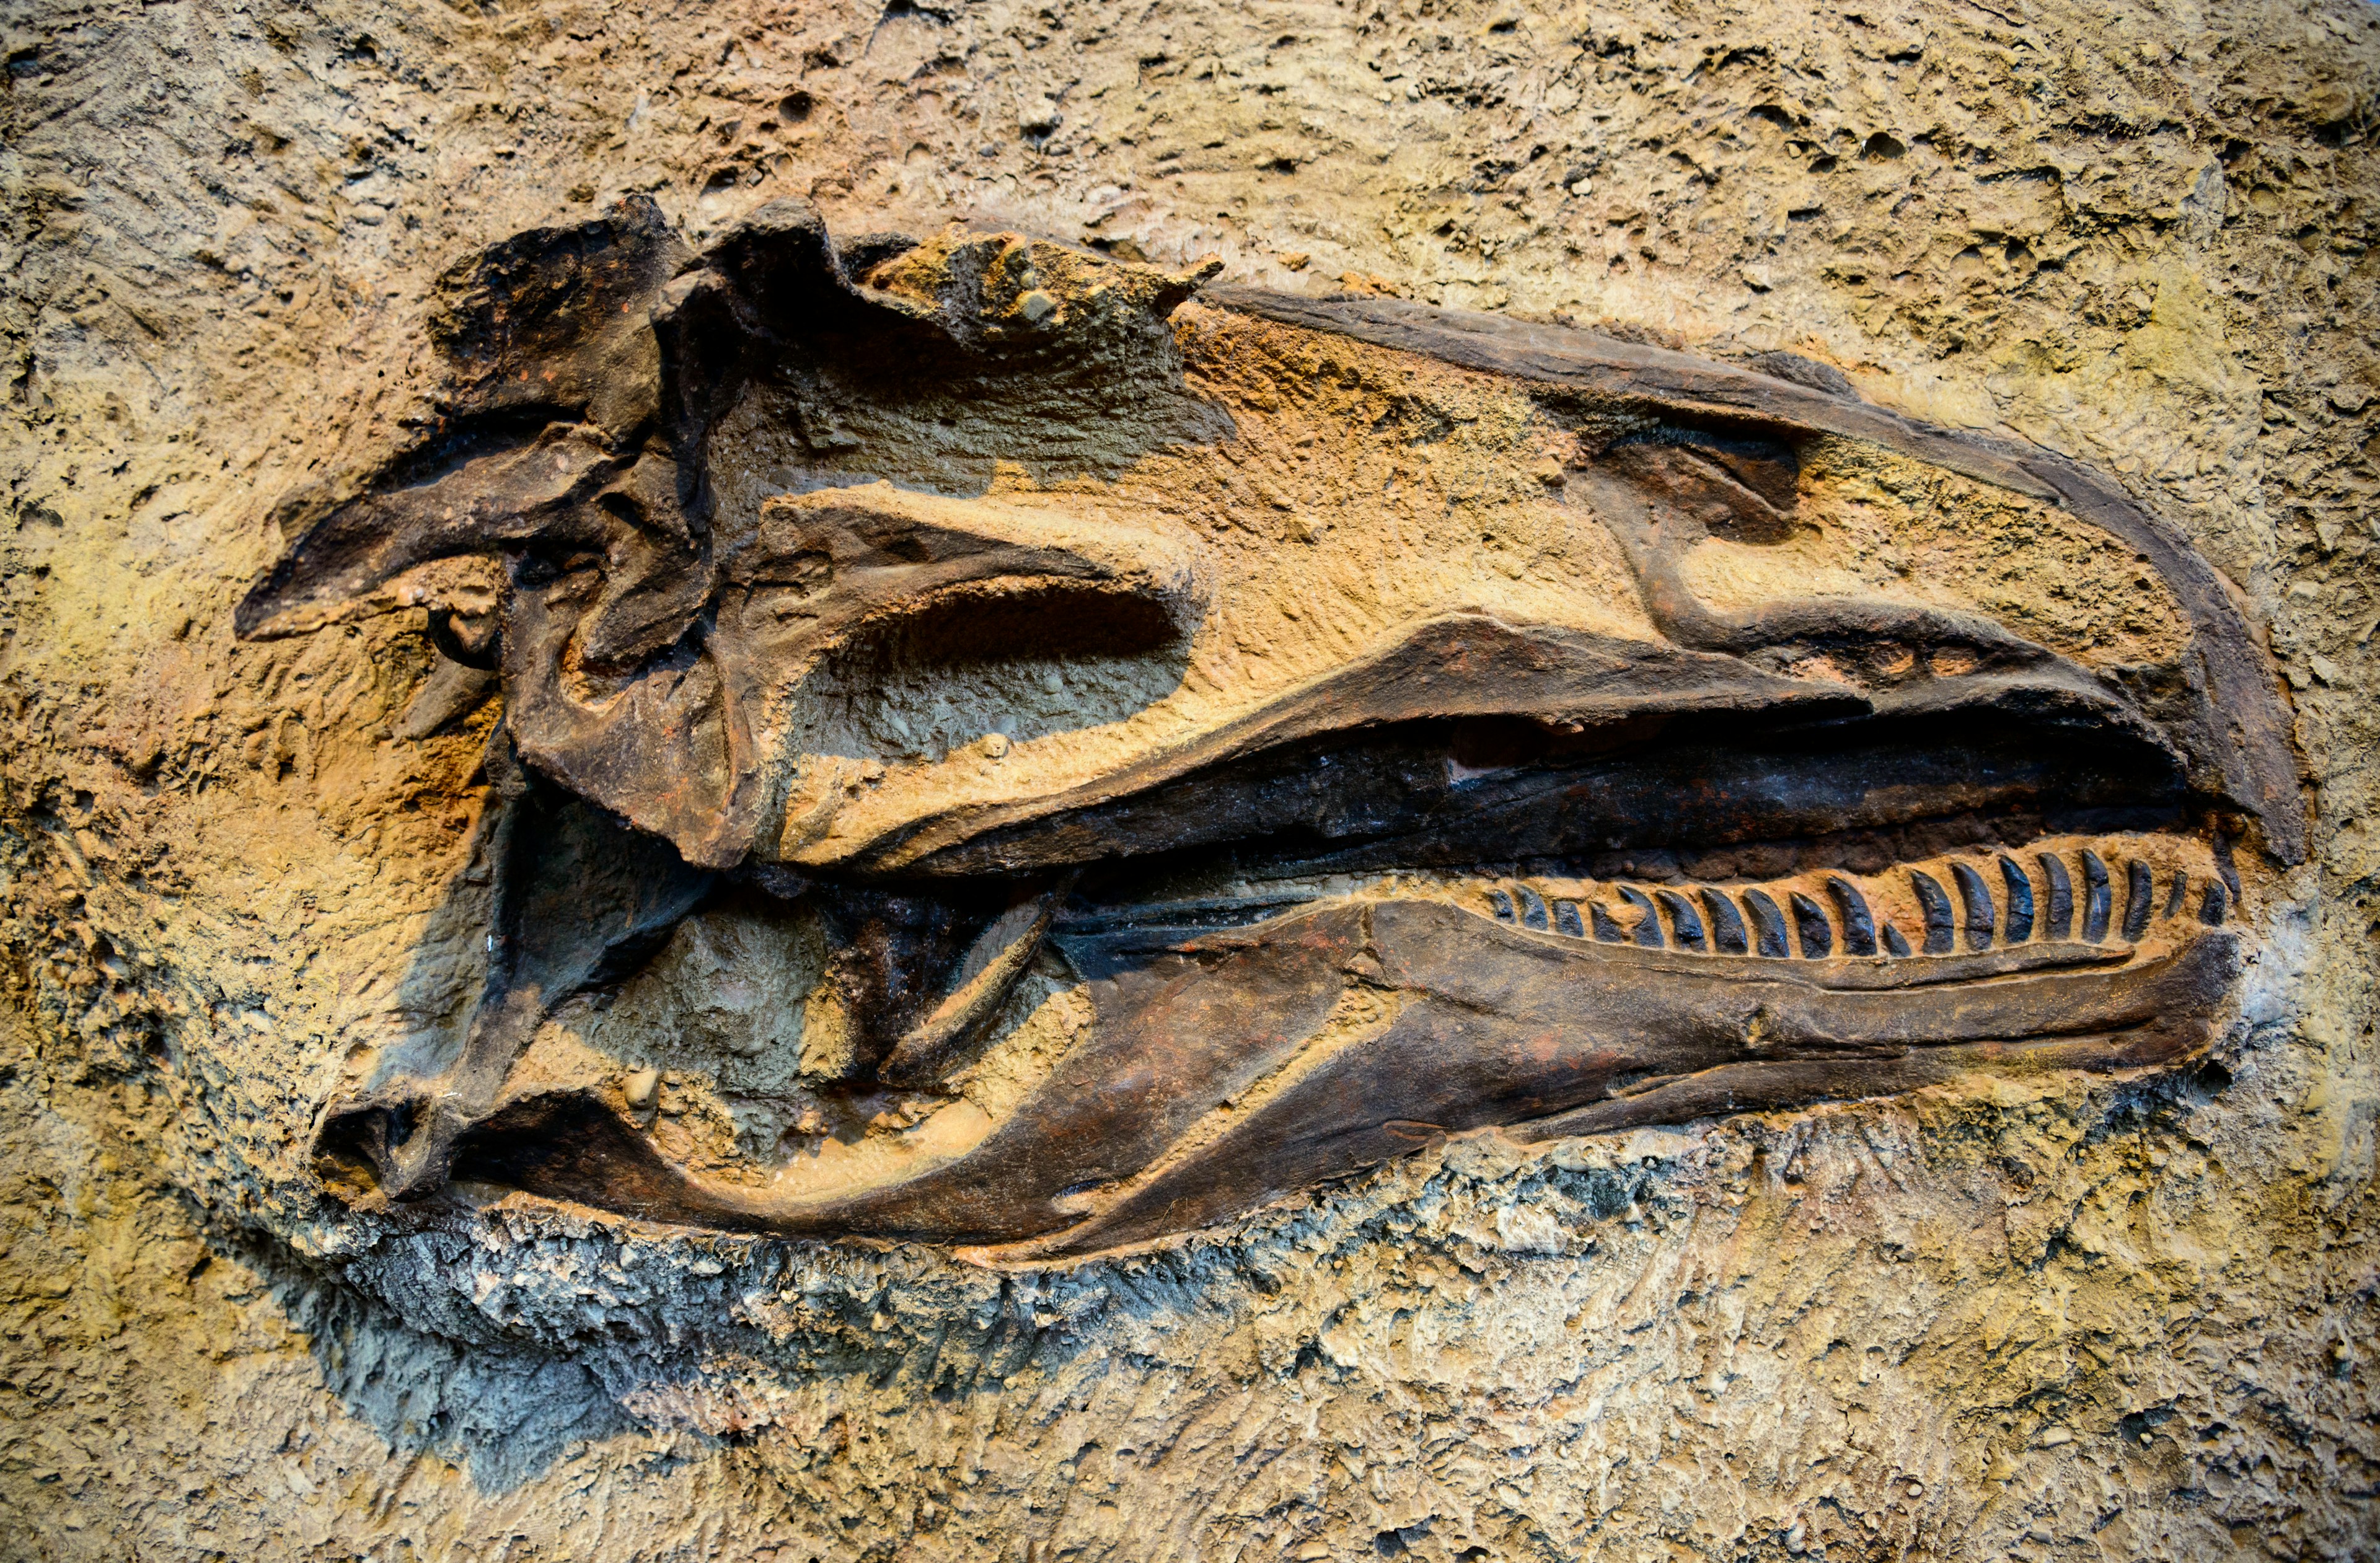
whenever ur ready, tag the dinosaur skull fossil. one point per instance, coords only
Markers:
(1117, 752)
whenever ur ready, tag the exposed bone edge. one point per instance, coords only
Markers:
(2262, 766)
(2144, 1014)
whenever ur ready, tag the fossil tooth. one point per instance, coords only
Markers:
(1858, 926)
(2138, 886)
(2060, 923)
(1810, 922)
(1726, 923)
(2097, 901)
(1768, 924)
(2019, 902)
(1979, 905)
(1648, 927)
(987, 976)
(1683, 920)
(1964, 913)
(1935, 905)
(1533, 907)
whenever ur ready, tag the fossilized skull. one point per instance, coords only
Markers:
(1004, 747)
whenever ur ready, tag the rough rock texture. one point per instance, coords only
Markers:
(2062, 1318)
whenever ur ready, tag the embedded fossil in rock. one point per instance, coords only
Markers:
(1370, 723)
(1843, 913)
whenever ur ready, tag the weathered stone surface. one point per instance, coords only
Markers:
(2011, 1311)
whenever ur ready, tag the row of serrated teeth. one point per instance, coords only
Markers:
(2047, 902)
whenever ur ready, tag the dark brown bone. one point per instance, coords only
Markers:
(1472, 1024)
(574, 893)
(691, 749)
(1460, 666)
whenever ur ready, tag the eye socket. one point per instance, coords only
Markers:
(1027, 664)
(1048, 624)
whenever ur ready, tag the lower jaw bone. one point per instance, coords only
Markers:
(1239, 1066)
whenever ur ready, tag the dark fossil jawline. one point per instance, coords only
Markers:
(595, 370)
(1242, 1089)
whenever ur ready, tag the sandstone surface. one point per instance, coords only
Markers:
(2058, 1317)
